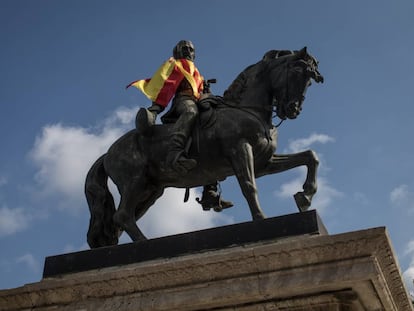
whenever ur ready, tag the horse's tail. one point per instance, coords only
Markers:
(102, 230)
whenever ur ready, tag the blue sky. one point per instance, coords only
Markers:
(64, 66)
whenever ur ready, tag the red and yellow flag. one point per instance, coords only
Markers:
(164, 83)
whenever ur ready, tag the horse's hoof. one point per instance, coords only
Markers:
(258, 217)
(140, 239)
(303, 202)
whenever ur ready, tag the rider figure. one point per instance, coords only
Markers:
(188, 87)
(181, 79)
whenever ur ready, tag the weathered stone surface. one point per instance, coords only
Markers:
(350, 271)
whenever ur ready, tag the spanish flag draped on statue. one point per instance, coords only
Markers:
(164, 83)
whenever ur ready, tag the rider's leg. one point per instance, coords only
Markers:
(187, 110)
(211, 199)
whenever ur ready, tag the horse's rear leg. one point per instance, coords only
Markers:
(280, 163)
(132, 207)
(124, 217)
(142, 208)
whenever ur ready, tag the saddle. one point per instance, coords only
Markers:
(206, 118)
(207, 112)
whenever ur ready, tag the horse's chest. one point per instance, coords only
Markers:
(264, 144)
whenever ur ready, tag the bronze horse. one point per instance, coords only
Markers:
(237, 139)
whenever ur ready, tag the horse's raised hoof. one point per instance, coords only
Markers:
(303, 202)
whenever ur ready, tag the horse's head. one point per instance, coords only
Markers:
(290, 75)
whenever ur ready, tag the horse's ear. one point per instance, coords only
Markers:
(303, 52)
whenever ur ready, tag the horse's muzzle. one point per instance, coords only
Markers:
(293, 109)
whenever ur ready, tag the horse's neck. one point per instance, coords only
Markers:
(248, 91)
(257, 100)
(255, 95)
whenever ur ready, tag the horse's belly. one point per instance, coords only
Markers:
(200, 176)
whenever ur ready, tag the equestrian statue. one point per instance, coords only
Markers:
(203, 140)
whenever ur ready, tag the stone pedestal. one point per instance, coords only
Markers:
(300, 271)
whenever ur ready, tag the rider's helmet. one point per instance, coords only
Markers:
(184, 49)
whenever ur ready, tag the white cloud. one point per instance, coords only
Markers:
(408, 274)
(399, 195)
(408, 277)
(302, 144)
(171, 215)
(288, 189)
(29, 261)
(12, 220)
(323, 197)
(410, 248)
(123, 115)
(326, 193)
(64, 154)
(3, 181)
(402, 197)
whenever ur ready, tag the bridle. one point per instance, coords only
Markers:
(274, 105)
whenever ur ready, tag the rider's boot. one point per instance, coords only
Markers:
(177, 158)
(177, 153)
(146, 117)
(211, 199)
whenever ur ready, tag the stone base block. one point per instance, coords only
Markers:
(187, 243)
(313, 272)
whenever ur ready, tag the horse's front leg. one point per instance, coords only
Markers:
(280, 163)
(243, 165)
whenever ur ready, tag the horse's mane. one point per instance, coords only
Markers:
(236, 89)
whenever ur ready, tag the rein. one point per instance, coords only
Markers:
(274, 107)
(280, 123)
(246, 109)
